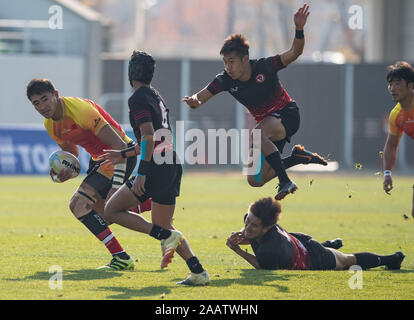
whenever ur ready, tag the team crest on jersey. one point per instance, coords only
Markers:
(260, 78)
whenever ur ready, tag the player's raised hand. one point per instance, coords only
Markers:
(192, 101)
(301, 16)
(387, 184)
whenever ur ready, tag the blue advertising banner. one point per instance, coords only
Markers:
(25, 149)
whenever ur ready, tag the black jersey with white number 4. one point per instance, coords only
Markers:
(146, 105)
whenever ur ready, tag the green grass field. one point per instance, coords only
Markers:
(38, 232)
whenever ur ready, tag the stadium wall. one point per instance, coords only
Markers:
(67, 73)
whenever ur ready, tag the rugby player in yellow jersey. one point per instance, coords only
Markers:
(74, 122)
(400, 79)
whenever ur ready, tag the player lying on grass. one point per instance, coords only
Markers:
(255, 84)
(400, 77)
(74, 122)
(160, 181)
(275, 248)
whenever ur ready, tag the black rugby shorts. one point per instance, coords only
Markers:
(162, 184)
(290, 119)
(321, 257)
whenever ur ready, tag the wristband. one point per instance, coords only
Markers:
(299, 34)
(124, 151)
(387, 173)
(144, 168)
(119, 175)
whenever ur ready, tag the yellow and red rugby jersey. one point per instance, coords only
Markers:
(82, 121)
(401, 121)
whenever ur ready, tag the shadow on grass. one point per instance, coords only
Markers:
(74, 275)
(249, 277)
(128, 293)
(253, 277)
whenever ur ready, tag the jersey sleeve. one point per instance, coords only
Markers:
(274, 64)
(87, 116)
(140, 111)
(392, 123)
(219, 84)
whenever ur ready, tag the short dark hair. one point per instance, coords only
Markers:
(400, 70)
(237, 43)
(267, 210)
(141, 67)
(39, 86)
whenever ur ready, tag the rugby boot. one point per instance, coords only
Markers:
(334, 244)
(119, 264)
(307, 156)
(285, 189)
(396, 265)
(170, 244)
(196, 279)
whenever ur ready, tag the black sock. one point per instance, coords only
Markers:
(275, 161)
(291, 161)
(97, 225)
(94, 222)
(368, 260)
(159, 232)
(194, 265)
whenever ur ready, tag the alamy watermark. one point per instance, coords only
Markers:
(214, 146)
(56, 17)
(356, 281)
(56, 280)
(356, 19)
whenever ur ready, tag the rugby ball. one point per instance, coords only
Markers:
(60, 160)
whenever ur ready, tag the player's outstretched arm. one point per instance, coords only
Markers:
(108, 136)
(196, 100)
(389, 160)
(296, 50)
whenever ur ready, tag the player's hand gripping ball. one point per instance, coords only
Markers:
(60, 160)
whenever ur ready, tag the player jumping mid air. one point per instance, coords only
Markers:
(159, 180)
(255, 84)
(74, 122)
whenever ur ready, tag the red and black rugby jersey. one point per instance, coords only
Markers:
(262, 94)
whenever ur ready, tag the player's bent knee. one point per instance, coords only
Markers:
(109, 213)
(251, 180)
(81, 203)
